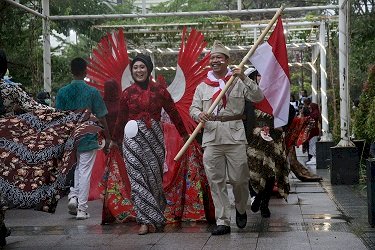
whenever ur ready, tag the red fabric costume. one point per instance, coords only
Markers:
(184, 182)
(138, 104)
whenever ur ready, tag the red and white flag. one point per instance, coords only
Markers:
(271, 61)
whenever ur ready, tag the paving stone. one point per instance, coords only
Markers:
(335, 240)
(19, 242)
(283, 240)
(317, 216)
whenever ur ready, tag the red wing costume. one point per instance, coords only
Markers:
(184, 182)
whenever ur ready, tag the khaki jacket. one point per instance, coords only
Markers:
(229, 132)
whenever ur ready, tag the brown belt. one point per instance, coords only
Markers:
(226, 118)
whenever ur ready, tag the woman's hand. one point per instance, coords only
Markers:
(113, 144)
(107, 146)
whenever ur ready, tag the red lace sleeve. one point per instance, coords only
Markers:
(122, 118)
(171, 110)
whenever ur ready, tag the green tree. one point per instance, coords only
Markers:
(362, 50)
(21, 36)
(20, 39)
(365, 114)
(361, 74)
(81, 7)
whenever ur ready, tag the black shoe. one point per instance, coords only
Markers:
(241, 219)
(4, 232)
(221, 230)
(265, 212)
(3, 242)
(256, 204)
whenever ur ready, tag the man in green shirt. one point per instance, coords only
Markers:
(79, 95)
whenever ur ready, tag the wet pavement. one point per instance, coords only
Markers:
(316, 216)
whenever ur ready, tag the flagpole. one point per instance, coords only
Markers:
(230, 81)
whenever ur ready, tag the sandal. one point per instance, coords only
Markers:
(143, 230)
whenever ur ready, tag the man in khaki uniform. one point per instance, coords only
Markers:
(224, 139)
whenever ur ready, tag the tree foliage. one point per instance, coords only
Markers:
(362, 50)
(80, 7)
(365, 114)
(362, 68)
(21, 37)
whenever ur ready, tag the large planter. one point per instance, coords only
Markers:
(344, 166)
(372, 150)
(370, 164)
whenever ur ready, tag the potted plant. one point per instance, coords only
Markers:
(364, 117)
(364, 128)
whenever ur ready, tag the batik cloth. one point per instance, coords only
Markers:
(37, 152)
(16, 99)
(267, 158)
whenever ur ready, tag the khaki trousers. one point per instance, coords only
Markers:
(219, 160)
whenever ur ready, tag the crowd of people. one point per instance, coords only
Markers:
(239, 146)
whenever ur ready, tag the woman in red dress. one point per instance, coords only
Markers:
(143, 141)
(184, 182)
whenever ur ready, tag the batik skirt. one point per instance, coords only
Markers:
(185, 185)
(144, 156)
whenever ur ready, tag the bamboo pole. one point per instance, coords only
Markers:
(229, 83)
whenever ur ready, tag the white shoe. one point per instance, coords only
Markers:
(82, 215)
(312, 161)
(73, 205)
(252, 199)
